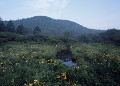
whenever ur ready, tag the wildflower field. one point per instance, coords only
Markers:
(33, 64)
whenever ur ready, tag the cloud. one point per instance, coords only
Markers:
(52, 8)
(37, 4)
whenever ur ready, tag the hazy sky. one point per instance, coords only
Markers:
(95, 14)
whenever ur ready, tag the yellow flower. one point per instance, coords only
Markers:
(42, 62)
(3, 70)
(30, 84)
(65, 77)
(17, 63)
(12, 81)
(74, 85)
(58, 76)
(34, 52)
(36, 81)
(64, 74)
(25, 84)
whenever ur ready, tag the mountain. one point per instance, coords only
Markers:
(51, 26)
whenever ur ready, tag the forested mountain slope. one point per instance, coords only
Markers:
(51, 26)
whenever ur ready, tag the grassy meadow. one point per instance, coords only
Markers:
(35, 64)
(29, 49)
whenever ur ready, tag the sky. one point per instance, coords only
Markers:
(94, 14)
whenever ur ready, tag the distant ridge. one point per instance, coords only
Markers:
(51, 26)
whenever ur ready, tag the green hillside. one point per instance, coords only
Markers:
(39, 60)
(55, 27)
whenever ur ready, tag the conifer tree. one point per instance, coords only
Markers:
(2, 26)
(10, 27)
(37, 30)
(21, 30)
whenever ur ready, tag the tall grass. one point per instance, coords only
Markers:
(33, 64)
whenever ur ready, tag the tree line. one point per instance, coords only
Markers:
(9, 27)
(109, 36)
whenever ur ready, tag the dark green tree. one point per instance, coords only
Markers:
(21, 30)
(0, 19)
(37, 30)
(83, 38)
(2, 26)
(10, 27)
(111, 35)
(68, 33)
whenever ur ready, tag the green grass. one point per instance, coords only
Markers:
(92, 50)
(36, 64)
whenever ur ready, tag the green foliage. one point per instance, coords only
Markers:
(90, 38)
(67, 40)
(53, 27)
(32, 60)
(111, 35)
(39, 38)
(21, 38)
(21, 30)
(35, 64)
(10, 27)
(36, 30)
(21, 66)
(84, 39)
(7, 36)
(68, 33)
(2, 27)
(102, 59)
(0, 19)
